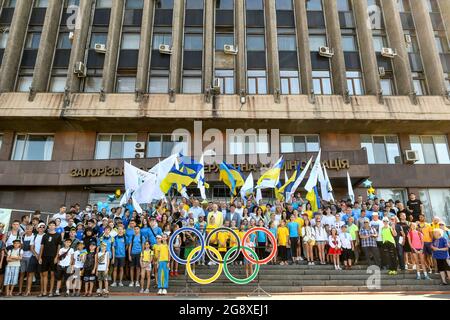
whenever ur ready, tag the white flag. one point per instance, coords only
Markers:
(134, 177)
(350, 188)
(247, 187)
(313, 177)
(136, 206)
(201, 178)
(299, 180)
(329, 186)
(258, 196)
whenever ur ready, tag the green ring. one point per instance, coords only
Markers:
(230, 276)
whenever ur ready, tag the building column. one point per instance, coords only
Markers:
(81, 34)
(394, 31)
(176, 72)
(367, 52)
(303, 46)
(335, 42)
(444, 6)
(44, 59)
(209, 49)
(432, 64)
(240, 34)
(273, 60)
(145, 47)
(14, 46)
(7, 146)
(113, 46)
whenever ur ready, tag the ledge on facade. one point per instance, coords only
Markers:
(193, 106)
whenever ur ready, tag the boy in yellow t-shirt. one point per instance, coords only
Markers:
(282, 239)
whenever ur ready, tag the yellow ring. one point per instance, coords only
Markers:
(193, 276)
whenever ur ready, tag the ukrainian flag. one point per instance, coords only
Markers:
(193, 168)
(271, 177)
(231, 176)
(313, 198)
(178, 178)
(289, 184)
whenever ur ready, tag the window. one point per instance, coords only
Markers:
(317, 41)
(394, 194)
(41, 4)
(254, 5)
(387, 87)
(193, 42)
(64, 41)
(432, 5)
(159, 83)
(126, 84)
(226, 81)
(314, 5)
(289, 82)
(355, 83)
(93, 84)
(58, 84)
(349, 43)
(194, 4)
(257, 82)
(225, 4)
(33, 40)
(130, 41)
(192, 81)
(379, 42)
(287, 43)
(98, 38)
(419, 83)
(104, 4)
(10, 4)
(432, 149)
(322, 82)
(164, 145)
(161, 38)
(33, 147)
(343, 5)
(164, 4)
(223, 39)
(248, 144)
(3, 39)
(381, 149)
(134, 4)
(283, 4)
(256, 43)
(24, 83)
(299, 143)
(115, 146)
(436, 202)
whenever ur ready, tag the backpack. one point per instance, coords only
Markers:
(27, 245)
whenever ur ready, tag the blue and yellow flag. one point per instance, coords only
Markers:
(289, 184)
(271, 177)
(231, 176)
(178, 178)
(313, 198)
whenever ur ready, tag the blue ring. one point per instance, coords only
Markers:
(202, 245)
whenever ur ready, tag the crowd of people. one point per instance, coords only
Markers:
(83, 249)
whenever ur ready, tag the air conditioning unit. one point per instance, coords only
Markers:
(326, 52)
(80, 69)
(139, 155)
(165, 49)
(216, 86)
(140, 147)
(388, 53)
(71, 36)
(100, 48)
(381, 71)
(408, 39)
(230, 49)
(411, 156)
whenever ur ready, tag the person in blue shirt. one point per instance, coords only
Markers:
(134, 255)
(294, 227)
(261, 239)
(145, 229)
(80, 231)
(440, 253)
(130, 231)
(348, 214)
(118, 257)
(155, 231)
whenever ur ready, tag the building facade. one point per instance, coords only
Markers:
(82, 82)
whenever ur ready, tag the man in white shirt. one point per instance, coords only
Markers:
(62, 216)
(377, 224)
(196, 210)
(239, 208)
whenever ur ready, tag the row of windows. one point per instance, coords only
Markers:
(381, 149)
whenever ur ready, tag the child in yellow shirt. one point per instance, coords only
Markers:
(282, 239)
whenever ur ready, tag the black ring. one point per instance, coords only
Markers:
(238, 250)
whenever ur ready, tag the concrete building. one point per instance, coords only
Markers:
(83, 81)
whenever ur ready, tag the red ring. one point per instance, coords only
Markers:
(272, 239)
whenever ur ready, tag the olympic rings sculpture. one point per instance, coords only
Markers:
(230, 256)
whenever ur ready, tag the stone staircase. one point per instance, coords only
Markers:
(301, 278)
